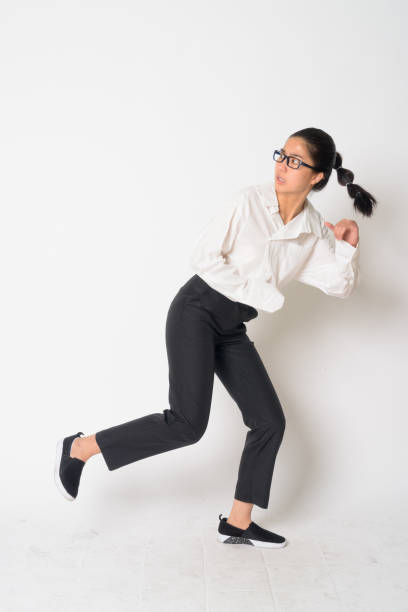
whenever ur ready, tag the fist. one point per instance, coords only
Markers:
(346, 229)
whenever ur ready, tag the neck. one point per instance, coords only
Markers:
(290, 205)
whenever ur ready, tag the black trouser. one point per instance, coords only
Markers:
(206, 333)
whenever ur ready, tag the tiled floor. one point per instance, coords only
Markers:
(329, 566)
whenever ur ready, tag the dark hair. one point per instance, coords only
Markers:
(325, 158)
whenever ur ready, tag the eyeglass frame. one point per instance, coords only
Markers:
(301, 163)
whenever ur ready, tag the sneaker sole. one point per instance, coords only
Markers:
(57, 478)
(238, 540)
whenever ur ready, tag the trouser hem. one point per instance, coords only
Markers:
(261, 503)
(110, 464)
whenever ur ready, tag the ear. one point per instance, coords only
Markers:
(318, 178)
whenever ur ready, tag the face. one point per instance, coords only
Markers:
(297, 181)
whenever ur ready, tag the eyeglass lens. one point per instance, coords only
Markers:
(293, 161)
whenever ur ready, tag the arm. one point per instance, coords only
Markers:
(214, 242)
(332, 268)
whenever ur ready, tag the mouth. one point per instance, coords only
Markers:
(280, 180)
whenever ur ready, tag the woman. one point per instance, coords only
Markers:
(264, 237)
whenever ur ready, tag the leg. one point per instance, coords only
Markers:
(190, 350)
(240, 515)
(242, 372)
(85, 447)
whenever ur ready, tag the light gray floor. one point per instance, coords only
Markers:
(173, 562)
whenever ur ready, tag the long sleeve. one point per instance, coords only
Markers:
(208, 259)
(332, 268)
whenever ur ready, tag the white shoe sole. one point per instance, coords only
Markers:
(57, 478)
(247, 541)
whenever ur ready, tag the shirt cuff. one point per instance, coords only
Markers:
(346, 251)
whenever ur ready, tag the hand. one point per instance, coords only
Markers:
(346, 229)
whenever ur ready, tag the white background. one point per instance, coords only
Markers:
(123, 127)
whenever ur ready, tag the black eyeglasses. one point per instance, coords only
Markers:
(292, 162)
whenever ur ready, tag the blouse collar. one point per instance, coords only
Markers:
(308, 220)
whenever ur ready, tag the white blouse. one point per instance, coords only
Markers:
(247, 252)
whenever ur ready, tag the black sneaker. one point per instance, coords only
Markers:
(254, 535)
(68, 470)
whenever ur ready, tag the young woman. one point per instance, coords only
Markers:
(264, 237)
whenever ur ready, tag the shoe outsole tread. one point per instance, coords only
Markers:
(254, 535)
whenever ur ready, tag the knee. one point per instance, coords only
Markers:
(197, 433)
(192, 432)
(277, 425)
(282, 425)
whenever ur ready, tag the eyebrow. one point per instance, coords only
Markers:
(292, 154)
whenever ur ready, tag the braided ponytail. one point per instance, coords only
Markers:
(363, 201)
